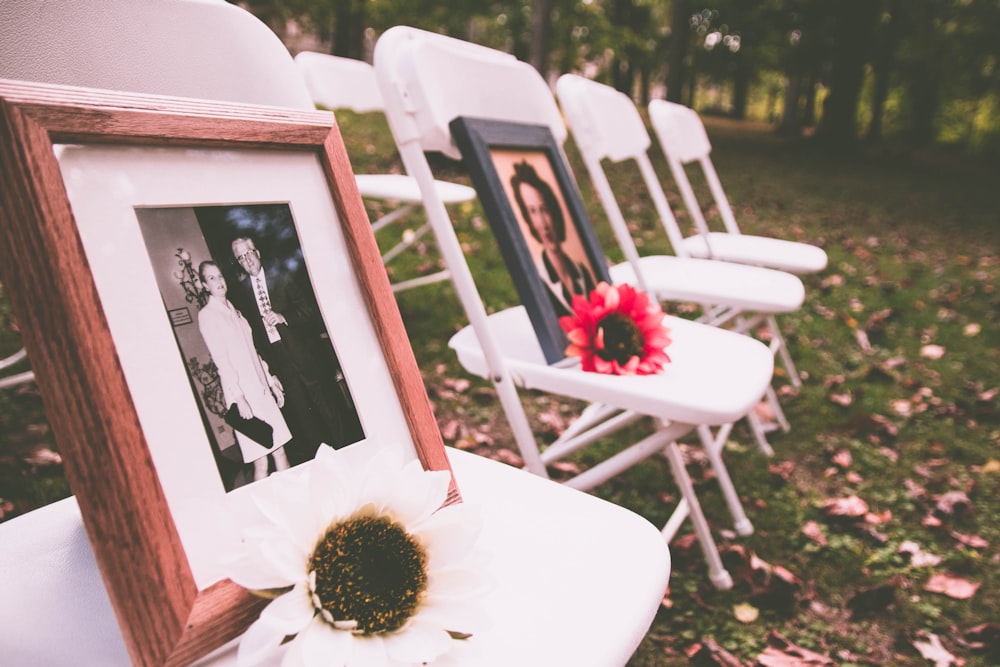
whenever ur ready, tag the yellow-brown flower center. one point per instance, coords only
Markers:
(369, 570)
(622, 338)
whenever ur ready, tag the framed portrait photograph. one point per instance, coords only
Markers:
(538, 218)
(204, 305)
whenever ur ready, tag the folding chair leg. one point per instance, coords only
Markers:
(779, 414)
(786, 357)
(718, 575)
(713, 449)
(759, 434)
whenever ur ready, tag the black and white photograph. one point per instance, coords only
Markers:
(259, 357)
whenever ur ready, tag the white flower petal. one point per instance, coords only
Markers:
(286, 562)
(457, 582)
(251, 572)
(454, 615)
(332, 490)
(257, 645)
(384, 476)
(370, 650)
(417, 642)
(420, 494)
(449, 536)
(290, 612)
(320, 644)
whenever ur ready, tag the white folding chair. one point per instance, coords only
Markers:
(534, 529)
(606, 125)
(716, 376)
(346, 83)
(684, 140)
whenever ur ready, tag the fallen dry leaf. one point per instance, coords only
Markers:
(708, 652)
(851, 506)
(814, 532)
(843, 458)
(918, 557)
(932, 351)
(843, 399)
(972, 541)
(952, 503)
(744, 612)
(783, 653)
(43, 457)
(862, 338)
(952, 586)
(982, 637)
(931, 649)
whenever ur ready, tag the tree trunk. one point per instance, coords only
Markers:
(541, 35)
(349, 29)
(679, 36)
(882, 66)
(853, 22)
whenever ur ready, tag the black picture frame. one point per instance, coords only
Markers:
(490, 152)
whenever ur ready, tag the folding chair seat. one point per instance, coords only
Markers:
(684, 140)
(606, 125)
(716, 377)
(346, 83)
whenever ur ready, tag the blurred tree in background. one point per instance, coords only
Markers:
(916, 72)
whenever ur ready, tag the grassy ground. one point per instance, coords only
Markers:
(876, 520)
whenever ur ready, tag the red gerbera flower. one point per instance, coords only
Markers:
(618, 331)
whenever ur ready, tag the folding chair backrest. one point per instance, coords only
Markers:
(228, 54)
(684, 140)
(606, 125)
(430, 86)
(341, 83)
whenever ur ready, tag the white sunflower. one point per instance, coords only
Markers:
(367, 566)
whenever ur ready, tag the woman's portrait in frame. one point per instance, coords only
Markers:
(546, 224)
(538, 218)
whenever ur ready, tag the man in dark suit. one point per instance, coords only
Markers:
(287, 330)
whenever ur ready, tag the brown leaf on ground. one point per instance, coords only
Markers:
(43, 456)
(783, 653)
(983, 637)
(843, 398)
(931, 649)
(918, 557)
(972, 541)
(814, 532)
(708, 653)
(952, 503)
(952, 586)
(449, 431)
(932, 352)
(851, 506)
(843, 458)
(873, 519)
(506, 456)
(460, 385)
(784, 469)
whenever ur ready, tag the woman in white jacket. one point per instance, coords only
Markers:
(246, 381)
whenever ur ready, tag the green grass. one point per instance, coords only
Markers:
(914, 247)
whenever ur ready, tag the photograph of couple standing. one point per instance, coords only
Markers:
(280, 392)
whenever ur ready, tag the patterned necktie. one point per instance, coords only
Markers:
(262, 300)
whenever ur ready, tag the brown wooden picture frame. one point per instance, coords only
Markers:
(166, 619)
